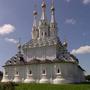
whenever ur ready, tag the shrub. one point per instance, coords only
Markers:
(87, 77)
(7, 86)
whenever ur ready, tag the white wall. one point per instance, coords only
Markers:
(47, 52)
(68, 70)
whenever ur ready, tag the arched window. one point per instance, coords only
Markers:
(30, 72)
(58, 71)
(10, 62)
(42, 33)
(48, 32)
(43, 72)
(17, 73)
(45, 34)
(14, 62)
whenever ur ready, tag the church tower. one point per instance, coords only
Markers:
(35, 31)
(53, 25)
(43, 23)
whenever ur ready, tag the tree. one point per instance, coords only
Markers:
(1, 75)
(87, 77)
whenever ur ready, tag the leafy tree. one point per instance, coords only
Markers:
(87, 77)
(1, 74)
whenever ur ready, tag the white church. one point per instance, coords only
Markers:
(43, 59)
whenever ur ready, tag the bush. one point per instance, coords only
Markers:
(7, 86)
(87, 77)
(1, 75)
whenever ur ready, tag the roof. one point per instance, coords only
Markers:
(40, 43)
(17, 59)
(81, 68)
(74, 58)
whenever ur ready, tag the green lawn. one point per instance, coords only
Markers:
(13, 86)
(52, 87)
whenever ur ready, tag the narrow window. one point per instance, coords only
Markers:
(43, 72)
(42, 33)
(58, 71)
(45, 34)
(10, 62)
(17, 73)
(30, 72)
(48, 33)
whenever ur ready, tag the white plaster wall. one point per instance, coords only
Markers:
(10, 72)
(41, 53)
(68, 71)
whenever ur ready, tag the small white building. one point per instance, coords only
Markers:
(43, 59)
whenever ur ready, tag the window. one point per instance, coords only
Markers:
(45, 34)
(42, 33)
(48, 32)
(58, 71)
(43, 72)
(14, 62)
(10, 62)
(17, 73)
(30, 72)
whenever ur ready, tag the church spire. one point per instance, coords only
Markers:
(43, 17)
(35, 16)
(52, 12)
(35, 27)
(53, 26)
(19, 47)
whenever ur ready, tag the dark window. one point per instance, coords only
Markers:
(45, 34)
(58, 71)
(10, 62)
(17, 73)
(42, 33)
(30, 72)
(14, 61)
(43, 72)
(48, 32)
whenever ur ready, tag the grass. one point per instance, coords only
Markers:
(52, 87)
(13, 86)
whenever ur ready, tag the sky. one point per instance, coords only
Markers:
(72, 17)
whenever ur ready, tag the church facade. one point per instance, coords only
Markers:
(43, 59)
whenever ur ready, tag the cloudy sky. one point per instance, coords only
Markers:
(73, 18)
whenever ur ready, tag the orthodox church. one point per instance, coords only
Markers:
(43, 59)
